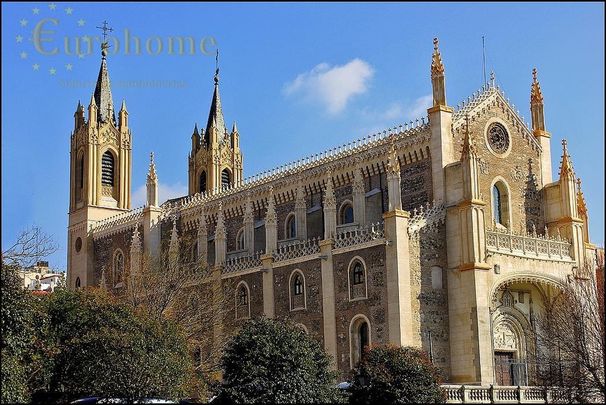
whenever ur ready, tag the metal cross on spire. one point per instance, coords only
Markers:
(105, 28)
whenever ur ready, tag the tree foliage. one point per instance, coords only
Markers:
(106, 349)
(396, 375)
(271, 361)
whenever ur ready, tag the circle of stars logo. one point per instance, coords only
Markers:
(65, 16)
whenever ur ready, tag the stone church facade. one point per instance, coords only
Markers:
(447, 233)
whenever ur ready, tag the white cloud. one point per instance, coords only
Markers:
(398, 112)
(332, 86)
(165, 192)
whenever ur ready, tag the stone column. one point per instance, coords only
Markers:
(271, 225)
(330, 210)
(359, 197)
(202, 240)
(328, 299)
(268, 285)
(393, 181)
(249, 227)
(397, 266)
(301, 213)
(135, 253)
(220, 239)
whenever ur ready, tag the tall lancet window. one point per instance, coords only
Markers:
(203, 182)
(225, 179)
(79, 177)
(107, 169)
(500, 204)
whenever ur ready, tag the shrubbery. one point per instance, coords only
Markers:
(392, 375)
(271, 361)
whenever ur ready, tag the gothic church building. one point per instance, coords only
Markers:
(447, 233)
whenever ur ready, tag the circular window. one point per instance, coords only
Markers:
(78, 244)
(498, 138)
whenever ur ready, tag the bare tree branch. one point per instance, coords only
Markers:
(30, 246)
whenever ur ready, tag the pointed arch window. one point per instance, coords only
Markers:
(107, 169)
(118, 268)
(500, 204)
(225, 179)
(359, 338)
(240, 240)
(291, 227)
(242, 301)
(357, 280)
(79, 177)
(203, 182)
(297, 290)
(78, 284)
(346, 213)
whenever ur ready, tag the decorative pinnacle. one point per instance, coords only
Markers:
(437, 67)
(566, 165)
(582, 206)
(469, 149)
(536, 95)
(151, 175)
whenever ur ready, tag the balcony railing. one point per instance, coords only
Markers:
(242, 263)
(528, 245)
(493, 394)
(297, 249)
(356, 236)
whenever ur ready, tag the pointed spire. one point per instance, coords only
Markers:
(135, 245)
(215, 116)
(566, 169)
(103, 93)
(234, 129)
(123, 107)
(196, 129)
(469, 149)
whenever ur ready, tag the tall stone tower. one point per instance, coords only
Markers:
(215, 160)
(100, 173)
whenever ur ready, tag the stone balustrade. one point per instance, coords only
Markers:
(293, 250)
(350, 237)
(242, 263)
(528, 245)
(117, 223)
(493, 394)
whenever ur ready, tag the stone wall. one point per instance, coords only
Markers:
(104, 249)
(311, 317)
(374, 307)
(430, 303)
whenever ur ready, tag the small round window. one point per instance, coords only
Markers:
(498, 138)
(78, 244)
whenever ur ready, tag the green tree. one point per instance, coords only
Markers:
(271, 361)
(396, 375)
(17, 335)
(106, 349)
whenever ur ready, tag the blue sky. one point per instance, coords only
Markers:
(276, 60)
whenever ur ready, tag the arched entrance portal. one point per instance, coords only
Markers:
(516, 304)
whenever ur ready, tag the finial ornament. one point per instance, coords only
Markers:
(492, 78)
(104, 45)
(217, 67)
(566, 165)
(437, 67)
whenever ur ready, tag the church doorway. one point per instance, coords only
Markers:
(359, 339)
(503, 368)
